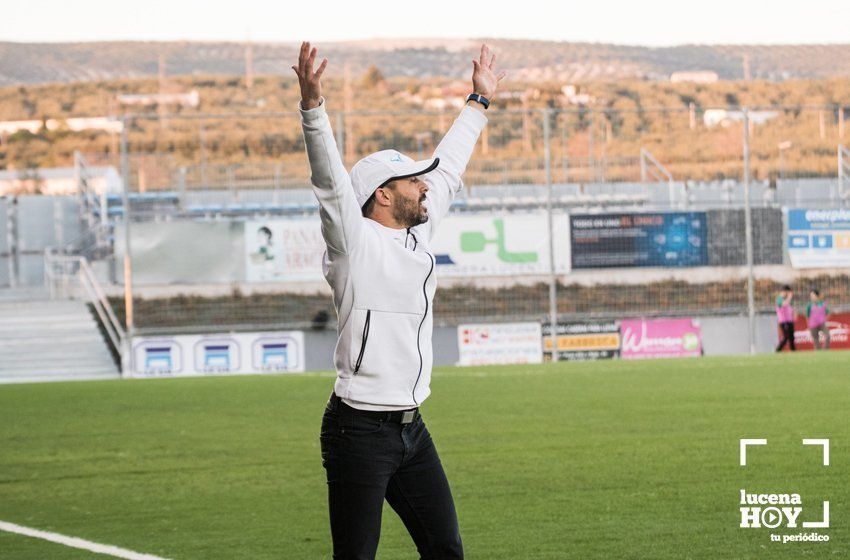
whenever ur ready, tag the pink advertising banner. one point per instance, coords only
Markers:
(660, 338)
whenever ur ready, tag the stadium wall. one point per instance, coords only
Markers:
(721, 336)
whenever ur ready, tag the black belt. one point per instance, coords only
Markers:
(394, 416)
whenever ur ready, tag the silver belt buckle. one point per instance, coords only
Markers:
(408, 416)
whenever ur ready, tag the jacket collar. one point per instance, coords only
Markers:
(388, 231)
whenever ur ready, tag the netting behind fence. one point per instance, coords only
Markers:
(647, 213)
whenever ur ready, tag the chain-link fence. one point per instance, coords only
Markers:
(624, 211)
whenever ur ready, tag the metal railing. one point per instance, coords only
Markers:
(71, 277)
(651, 170)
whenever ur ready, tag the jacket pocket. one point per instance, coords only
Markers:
(363, 341)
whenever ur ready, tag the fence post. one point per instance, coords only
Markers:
(841, 197)
(748, 226)
(202, 140)
(126, 352)
(553, 279)
(181, 188)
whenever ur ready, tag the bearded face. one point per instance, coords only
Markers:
(408, 202)
(409, 208)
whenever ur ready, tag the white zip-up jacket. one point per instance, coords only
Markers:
(383, 279)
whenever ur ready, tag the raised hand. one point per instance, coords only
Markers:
(485, 78)
(310, 82)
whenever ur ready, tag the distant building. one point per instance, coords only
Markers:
(694, 77)
(452, 95)
(107, 124)
(724, 118)
(572, 95)
(190, 99)
(58, 181)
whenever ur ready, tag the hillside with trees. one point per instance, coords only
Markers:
(601, 127)
(35, 63)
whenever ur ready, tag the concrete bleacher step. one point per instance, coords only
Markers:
(51, 340)
(56, 375)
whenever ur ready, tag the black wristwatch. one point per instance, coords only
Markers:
(479, 98)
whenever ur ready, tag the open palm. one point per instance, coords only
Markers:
(310, 82)
(485, 77)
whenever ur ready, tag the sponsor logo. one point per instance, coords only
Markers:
(658, 338)
(216, 355)
(275, 354)
(477, 242)
(158, 357)
(768, 510)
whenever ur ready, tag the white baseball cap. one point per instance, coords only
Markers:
(378, 169)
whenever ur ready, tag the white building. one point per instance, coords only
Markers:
(694, 77)
(190, 99)
(724, 117)
(58, 181)
(108, 124)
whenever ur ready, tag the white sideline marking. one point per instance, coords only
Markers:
(74, 542)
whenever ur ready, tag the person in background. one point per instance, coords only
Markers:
(785, 316)
(816, 313)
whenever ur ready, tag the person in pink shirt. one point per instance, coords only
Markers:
(785, 316)
(816, 313)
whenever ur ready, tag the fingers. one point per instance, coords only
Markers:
(482, 58)
(311, 60)
(302, 56)
(321, 69)
(475, 65)
(492, 61)
(501, 76)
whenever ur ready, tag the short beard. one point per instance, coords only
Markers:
(409, 213)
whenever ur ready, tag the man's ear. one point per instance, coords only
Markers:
(382, 197)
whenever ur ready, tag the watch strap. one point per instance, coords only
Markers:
(479, 98)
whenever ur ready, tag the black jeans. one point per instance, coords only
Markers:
(368, 460)
(787, 336)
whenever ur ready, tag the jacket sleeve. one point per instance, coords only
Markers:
(454, 152)
(342, 220)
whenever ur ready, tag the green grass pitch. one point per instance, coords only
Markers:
(573, 460)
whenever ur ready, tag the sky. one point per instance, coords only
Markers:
(633, 22)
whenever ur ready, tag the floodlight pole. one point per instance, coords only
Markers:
(553, 279)
(840, 176)
(748, 225)
(127, 350)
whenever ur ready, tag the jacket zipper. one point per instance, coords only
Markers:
(363, 341)
(419, 332)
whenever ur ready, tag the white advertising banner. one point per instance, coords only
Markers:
(284, 250)
(819, 238)
(464, 246)
(218, 354)
(500, 343)
(501, 245)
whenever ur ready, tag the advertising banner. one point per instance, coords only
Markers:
(672, 239)
(660, 338)
(284, 250)
(499, 343)
(503, 245)
(291, 250)
(839, 332)
(584, 341)
(819, 238)
(218, 354)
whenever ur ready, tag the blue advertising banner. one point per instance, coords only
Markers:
(663, 239)
(819, 238)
